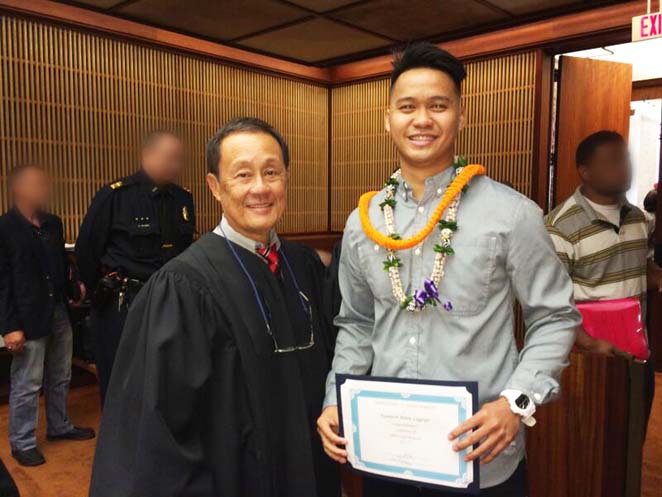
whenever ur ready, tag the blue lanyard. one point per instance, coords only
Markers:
(258, 299)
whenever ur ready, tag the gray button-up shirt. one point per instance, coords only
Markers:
(502, 254)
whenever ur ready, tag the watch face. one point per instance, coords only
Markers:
(522, 401)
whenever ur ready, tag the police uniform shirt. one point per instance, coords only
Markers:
(134, 227)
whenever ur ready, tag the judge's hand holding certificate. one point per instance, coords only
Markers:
(415, 431)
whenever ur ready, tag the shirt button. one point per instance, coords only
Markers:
(48, 277)
(376, 247)
(412, 340)
(417, 251)
(439, 190)
(421, 209)
(537, 396)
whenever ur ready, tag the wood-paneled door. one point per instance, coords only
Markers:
(593, 95)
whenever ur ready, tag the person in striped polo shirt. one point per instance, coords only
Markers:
(602, 239)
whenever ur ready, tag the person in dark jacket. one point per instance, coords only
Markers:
(132, 228)
(33, 315)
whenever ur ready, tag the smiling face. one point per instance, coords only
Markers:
(252, 183)
(424, 117)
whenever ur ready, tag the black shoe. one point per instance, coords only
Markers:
(74, 434)
(30, 457)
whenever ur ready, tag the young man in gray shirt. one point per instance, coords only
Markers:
(491, 249)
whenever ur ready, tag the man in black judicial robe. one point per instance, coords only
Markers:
(221, 369)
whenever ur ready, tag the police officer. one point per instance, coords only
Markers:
(132, 228)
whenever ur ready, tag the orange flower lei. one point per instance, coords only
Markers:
(387, 242)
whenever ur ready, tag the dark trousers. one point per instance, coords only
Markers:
(515, 486)
(7, 484)
(107, 323)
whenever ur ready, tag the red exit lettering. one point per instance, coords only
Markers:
(651, 25)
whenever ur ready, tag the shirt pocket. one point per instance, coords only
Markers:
(186, 231)
(145, 239)
(468, 274)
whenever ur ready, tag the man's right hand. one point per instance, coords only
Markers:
(14, 341)
(595, 345)
(327, 427)
(602, 347)
(605, 348)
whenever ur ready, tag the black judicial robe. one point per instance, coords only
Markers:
(199, 404)
(332, 298)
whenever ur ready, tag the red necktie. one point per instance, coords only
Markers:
(270, 254)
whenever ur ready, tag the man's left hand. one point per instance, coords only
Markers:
(494, 426)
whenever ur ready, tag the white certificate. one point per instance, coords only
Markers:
(399, 429)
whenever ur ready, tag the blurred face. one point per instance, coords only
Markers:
(609, 172)
(163, 160)
(252, 183)
(424, 117)
(32, 188)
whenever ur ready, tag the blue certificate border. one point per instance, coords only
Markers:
(472, 387)
(411, 398)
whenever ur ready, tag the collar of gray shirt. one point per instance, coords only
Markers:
(434, 187)
(242, 240)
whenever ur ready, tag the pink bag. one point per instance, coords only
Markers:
(618, 322)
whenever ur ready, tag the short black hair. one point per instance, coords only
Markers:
(236, 125)
(153, 136)
(17, 171)
(590, 144)
(650, 202)
(427, 55)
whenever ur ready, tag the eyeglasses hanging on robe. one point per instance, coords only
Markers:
(305, 303)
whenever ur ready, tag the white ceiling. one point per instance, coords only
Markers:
(645, 57)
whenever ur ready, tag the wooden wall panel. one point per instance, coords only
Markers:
(499, 98)
(362, 153)
(578, 448)
(79, 103)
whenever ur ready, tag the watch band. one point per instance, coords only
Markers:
(530, 421)
(521, 405)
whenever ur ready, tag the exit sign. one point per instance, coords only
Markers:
(647, 27)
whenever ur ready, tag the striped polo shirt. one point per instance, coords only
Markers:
(605, 261)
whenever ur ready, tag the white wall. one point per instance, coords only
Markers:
(644, 147)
